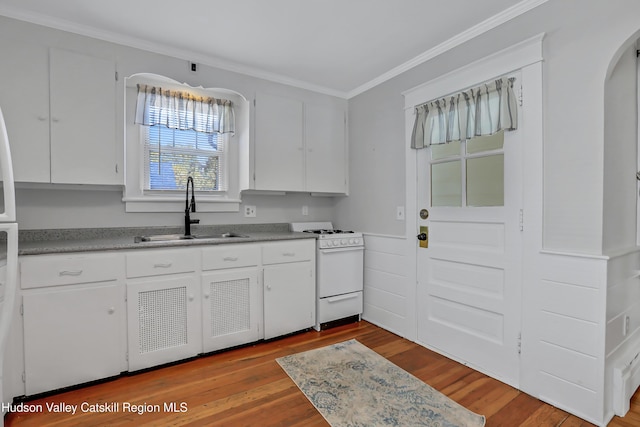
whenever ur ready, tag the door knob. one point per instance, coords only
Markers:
(422, 236)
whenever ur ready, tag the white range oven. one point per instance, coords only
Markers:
(339, 273)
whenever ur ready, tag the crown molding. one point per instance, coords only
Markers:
(138, 43)
(471, 33)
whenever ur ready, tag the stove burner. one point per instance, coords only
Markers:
(325, 231)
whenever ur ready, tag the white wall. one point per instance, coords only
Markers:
(586, 196)
(620, 216)
(61, 207)
(620, 154)
(95, 208)
(581, 40)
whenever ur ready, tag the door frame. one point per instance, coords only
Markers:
(527, 57)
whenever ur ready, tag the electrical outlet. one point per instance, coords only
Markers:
(305, 210)
(249, 211)
(400, 213)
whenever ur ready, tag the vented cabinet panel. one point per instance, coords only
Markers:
(231, 308)
(163, 320)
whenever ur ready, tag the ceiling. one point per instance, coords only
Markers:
(339, 47)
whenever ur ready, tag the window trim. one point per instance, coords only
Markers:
(137, 199)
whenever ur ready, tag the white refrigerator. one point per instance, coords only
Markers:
(8, 253)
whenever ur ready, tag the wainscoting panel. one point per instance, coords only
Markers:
(566, 332)
(386, 283)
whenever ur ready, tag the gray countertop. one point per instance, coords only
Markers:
(36, 242)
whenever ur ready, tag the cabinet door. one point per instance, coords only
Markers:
(231, 313)
(289, 298)
(24, 99)
(72, 336)
(163, 320)
(83, 111)
(326, 154)
(279, 155)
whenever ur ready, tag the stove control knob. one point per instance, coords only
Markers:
(343, 242)
(352, 241)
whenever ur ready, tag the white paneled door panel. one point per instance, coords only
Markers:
(469, 276)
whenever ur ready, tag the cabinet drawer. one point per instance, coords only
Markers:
(230, 256)
(338, 307)
(56, 270)
(159, 262)
(288, 251)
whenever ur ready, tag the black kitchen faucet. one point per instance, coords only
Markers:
(189, 207)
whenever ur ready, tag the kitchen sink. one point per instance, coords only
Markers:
(220, 236)
(172, 237)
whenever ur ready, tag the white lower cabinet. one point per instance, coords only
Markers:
(289, 287)
(72, 336)
(163, 319)
(231, 297)
(231, 308)
(92, 316)
(73, 319)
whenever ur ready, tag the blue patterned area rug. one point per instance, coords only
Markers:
(351, 385)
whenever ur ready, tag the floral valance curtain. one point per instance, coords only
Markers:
(182, 110)
(483, 110)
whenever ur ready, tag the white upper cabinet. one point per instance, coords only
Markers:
(326, 154)
(279, 145)
(83, 119)
(24, 98)
(299, 146)
(60, 112)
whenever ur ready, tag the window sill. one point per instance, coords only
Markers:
(173, 204)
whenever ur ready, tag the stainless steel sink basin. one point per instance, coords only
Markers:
(161, 238)
(172, 237)
(220, 236)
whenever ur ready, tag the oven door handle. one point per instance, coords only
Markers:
(345, 249)
(342, 297)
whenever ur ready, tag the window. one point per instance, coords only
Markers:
(174, 137)
(171, 155)
(468, 173)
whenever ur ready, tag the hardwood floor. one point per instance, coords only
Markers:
(246, 387)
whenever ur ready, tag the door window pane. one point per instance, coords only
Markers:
(485, 181)
(440, 151)
(446, 184)
(485, 143)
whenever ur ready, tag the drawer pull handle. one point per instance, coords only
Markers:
(70, 273)
(288, 254)
(111, 310)
(342, 297)
(230, 258)
(162, 265)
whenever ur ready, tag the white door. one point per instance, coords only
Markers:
(469, 276)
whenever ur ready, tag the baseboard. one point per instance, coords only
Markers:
(626, 380)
